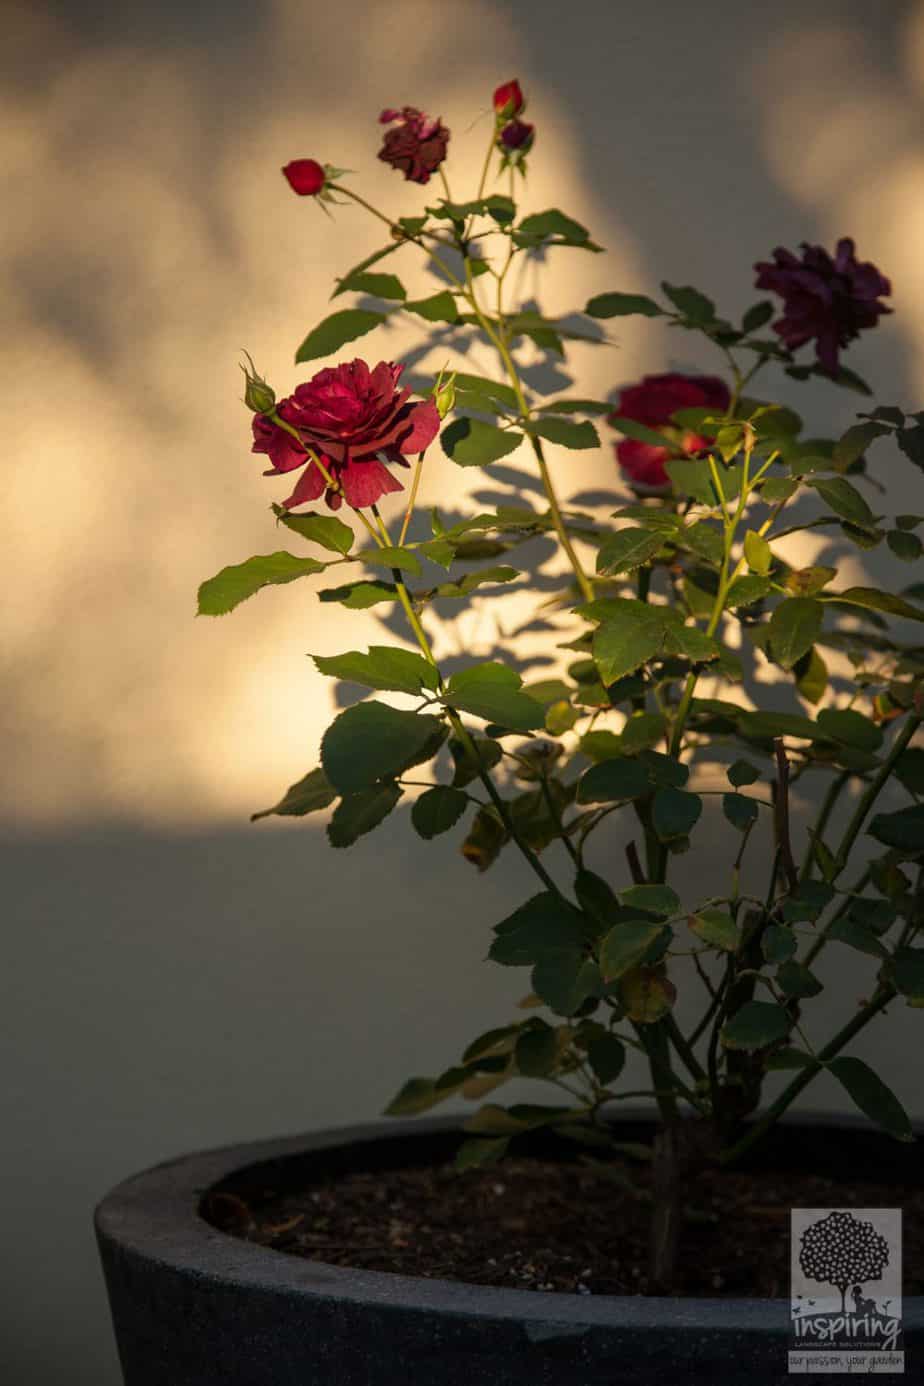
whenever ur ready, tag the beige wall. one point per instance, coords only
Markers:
(178, 978)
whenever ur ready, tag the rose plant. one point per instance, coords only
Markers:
(683, 577)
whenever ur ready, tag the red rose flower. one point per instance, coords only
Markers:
(829, 300)
(305, 176)
(417, 145)
(355, 420)
(652, 402)
(518, 135)
(508, 101)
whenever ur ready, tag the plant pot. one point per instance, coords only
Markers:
(193, 1306)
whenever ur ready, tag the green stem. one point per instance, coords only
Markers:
(835, 789)
(868, 798)
(805, 1075)
(456, 722)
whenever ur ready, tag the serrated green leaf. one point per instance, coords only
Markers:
(794, 627)
(437, 810)
(541, 226)
(372, 741)
(307, 795)
(470, 581)
(740, 811)
(903, 829)
(385, 667)
(623, 644)
(843, 498)
(564, 981)
(717, 929)
(474, 443)
(536, 1051)
(335, 331)
(359, 813)
(694, 306)
(758, 553)
(494, 691)
(388, 557)
(613, 781)
(439, 307)
(628, 944)
(326, 530)
(755, 1025)
(360, 595)
(856, 440)
(871, 1095)
(745, 591)
(565, 432)
(653, 899)
(381, 285)
(606, 1055)
(487, 388)
(907, 547)
(616, 305)
(627, 550)
(674, 812)
(417, 1095)
(544, 924)
(874, 600)
(235, 584)
(777, 943)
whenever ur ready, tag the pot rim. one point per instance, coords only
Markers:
(153, 1216)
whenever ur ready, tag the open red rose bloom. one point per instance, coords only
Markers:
(354, 420)
(652, 402)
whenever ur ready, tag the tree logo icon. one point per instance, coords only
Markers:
(843, 1251)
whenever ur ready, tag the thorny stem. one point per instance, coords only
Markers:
(882, 997)
(456, 722)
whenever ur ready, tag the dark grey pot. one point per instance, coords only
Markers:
(193, 1306)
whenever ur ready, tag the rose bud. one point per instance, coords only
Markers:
(444, 395)
(417, 145)
(305, 177)
(258, 395)
(508, 101)
(517, 137)
(830, 301)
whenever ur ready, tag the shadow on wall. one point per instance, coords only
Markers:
(175, 981)
(154, 238)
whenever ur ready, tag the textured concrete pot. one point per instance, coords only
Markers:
(193, 1306)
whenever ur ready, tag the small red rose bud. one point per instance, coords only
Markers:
(517, 136)
(508, 101)
(305, 177)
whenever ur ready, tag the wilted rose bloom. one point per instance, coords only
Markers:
(355, 420)
(416, 146)
(829, 300)
(508, 100)
(652, 402)
(518, 135)
(305, 176)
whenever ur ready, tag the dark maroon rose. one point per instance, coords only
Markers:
(508, 100)
(652, 402)
(417, 144)
(354, 420)
(305, 176)
(830, 301)
(517, 135)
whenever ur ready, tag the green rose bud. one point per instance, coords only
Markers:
(258, 395)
